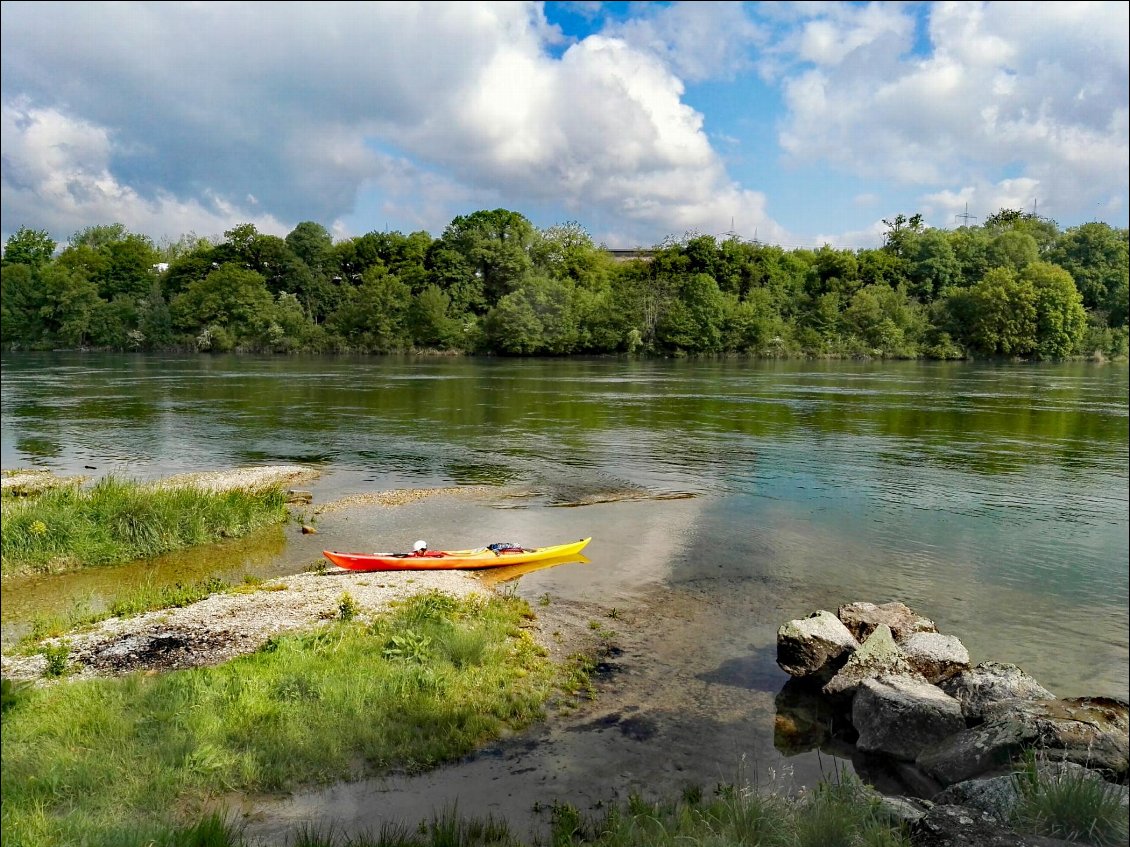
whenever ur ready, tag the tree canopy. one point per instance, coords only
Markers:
(492, 282)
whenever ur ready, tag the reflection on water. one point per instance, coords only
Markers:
(94, 590)
(991, 497)
(509, 573)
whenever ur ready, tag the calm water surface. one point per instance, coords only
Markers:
(990, 498)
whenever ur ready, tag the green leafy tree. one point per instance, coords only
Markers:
(1061, 320)
(970, 246)
(820, 322)
(22, 301)
(117, 261)
(99, 236)
(513, 326)
(753, 324)
(231, 301)
(601, 328)
(886, 320)
(1098, 258)
(495, 246)
(933, 265)
(695, 318)
(432, 323)
(642, 298)
(111, 323)
(33, 247)
(1042, 230)
(538, 317)
(998, 314)
(900, 229)
(374, 315)
(456, 276)
(566, 251)
(882, 267)
(312, 243)
(154, 320)
(129, 268)
(1013, 249)
(835, 271)
(69, 301)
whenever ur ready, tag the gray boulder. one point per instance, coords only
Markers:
(934, 655)
(988, 748)
(999, 796)
(816, 645)
(878, 656)
(1089, 731)
(958, 826)
(989, 683)
(899, 716)
(862, 619)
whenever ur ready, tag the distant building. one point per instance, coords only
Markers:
(631, 254)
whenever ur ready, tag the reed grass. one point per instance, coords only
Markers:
(117, 521)
(82, 757)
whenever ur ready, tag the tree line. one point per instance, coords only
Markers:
(493, 283)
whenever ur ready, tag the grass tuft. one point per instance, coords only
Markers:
(1072, 805)
(117, 521)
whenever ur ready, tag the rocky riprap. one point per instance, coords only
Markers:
(879, 684)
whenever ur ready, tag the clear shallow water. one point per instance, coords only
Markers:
(723, 499)
(992, 498)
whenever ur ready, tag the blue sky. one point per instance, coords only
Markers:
(798, 124)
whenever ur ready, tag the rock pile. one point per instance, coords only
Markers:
(906, 696)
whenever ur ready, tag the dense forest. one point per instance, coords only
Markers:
(493, 283)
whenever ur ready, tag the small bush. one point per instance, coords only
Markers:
(463, 647)
(347, 607)
(58, 659)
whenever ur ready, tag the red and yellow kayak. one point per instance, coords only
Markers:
(482, 557)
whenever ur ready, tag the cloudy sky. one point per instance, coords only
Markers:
(793, 123)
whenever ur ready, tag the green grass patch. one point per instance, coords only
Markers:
(1074, 806)
(108, 761)
(117, 521)
(834, 814)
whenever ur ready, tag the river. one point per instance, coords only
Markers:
(723, 498)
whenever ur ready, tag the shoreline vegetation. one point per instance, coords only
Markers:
(142, 750)
(53, 525)
(1016, 287)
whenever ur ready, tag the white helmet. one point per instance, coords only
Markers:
(419, 545)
